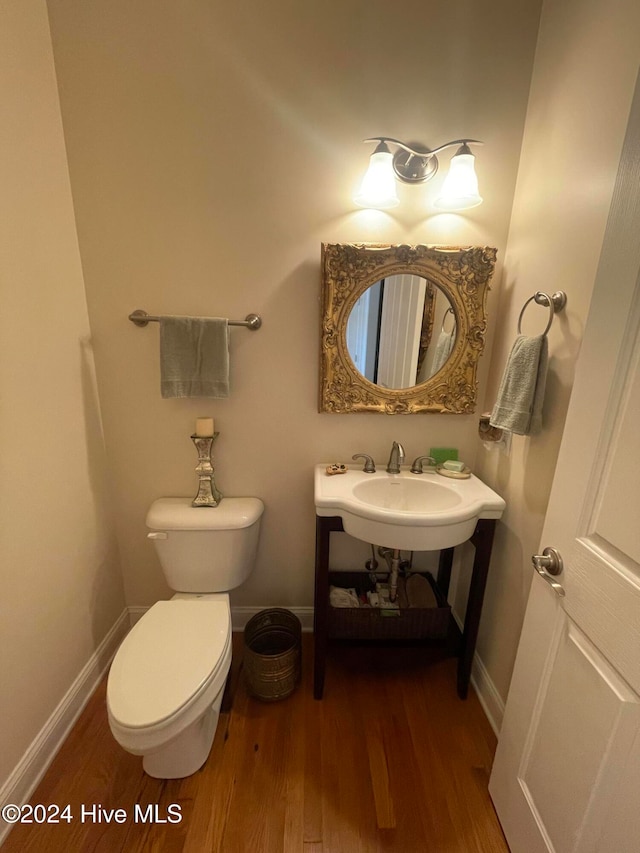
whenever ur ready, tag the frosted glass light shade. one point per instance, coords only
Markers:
(460, 187)
(378, 187)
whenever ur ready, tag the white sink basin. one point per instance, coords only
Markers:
(414, 512)
(405, 494)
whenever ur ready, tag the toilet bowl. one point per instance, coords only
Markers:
(166, 683)
(167, 679)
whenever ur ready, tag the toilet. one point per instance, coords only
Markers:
(166, 681)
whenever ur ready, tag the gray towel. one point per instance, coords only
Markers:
(194, 357)
(519, 404)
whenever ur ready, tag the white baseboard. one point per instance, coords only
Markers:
(241, 615)
(34, 763)
(136, 613)
(491, 701)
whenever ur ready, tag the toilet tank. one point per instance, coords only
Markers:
(205, 549)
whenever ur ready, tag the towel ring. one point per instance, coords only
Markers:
(444, 317)
(554, 303)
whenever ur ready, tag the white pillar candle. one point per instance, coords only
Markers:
(204, 427)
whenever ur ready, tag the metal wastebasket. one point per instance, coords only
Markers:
(272, 641)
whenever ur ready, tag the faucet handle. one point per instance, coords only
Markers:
(416, 468)
(369, 464)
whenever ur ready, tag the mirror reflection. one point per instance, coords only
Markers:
(401, 331)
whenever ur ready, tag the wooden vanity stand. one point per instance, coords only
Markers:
(482, 539)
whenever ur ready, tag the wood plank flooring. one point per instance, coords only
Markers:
(389, 760)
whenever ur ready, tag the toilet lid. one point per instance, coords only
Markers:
(180, 514)
(166, 658)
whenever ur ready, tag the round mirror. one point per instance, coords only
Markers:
(401, 331)
(349, 270)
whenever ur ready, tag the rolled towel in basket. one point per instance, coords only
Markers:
(340, 597)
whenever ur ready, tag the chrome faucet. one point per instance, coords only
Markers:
(417, 467)
(395, 459)
(369, 464)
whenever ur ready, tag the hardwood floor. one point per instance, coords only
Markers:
(389, 760)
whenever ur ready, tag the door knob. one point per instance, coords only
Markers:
(549, 565)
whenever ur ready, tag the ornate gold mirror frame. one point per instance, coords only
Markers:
(463, 274)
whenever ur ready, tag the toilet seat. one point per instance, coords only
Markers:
(173, 663)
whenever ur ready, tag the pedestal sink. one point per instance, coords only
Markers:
(413, 512)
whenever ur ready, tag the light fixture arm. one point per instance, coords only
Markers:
(426, 153)
(422, 154)
(407, 169)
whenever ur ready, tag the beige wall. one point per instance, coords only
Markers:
(212, 147)
(584, 76)
(61, 583)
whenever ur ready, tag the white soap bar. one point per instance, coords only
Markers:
(454, 465)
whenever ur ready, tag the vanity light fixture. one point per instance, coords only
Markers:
(414, 165)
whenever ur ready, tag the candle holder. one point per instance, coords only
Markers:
(208, 494)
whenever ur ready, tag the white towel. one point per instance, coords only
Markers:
(194, 357)
(444, 345)
(340, 597)
(521, 395)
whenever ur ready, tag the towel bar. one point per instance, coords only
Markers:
(141, 318)
(555, 303)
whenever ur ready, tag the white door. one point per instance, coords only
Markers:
(400, 328)
(567, 771)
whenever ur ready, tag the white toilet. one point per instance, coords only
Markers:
(167, 679)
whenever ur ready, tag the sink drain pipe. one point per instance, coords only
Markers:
(395, 565)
